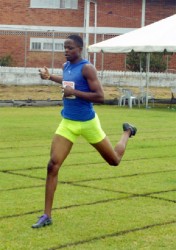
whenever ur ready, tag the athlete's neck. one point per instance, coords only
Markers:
(76, 61)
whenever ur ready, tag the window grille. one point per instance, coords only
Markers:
(54, 4)
(35, 46)
(46, 44)
(59, 47)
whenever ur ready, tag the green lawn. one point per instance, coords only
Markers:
(96, 207)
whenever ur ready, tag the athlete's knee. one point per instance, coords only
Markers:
(118, 156)
(114, 162)
(53, 167)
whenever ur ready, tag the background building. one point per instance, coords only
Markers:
(32, 32)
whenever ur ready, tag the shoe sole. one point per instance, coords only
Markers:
(42, 225)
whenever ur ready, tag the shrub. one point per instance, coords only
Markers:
(6, 60)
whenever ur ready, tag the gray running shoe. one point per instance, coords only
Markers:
(44, 220)
(127, 126)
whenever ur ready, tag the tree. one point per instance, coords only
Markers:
(157, 62)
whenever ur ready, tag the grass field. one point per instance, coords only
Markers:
(96, 207)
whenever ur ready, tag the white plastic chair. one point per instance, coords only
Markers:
(143, 95)
(122, 97)
(127, 95)
(130, 97)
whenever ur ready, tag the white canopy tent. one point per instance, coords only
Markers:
(156, 37)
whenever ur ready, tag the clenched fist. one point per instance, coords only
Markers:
(44, 73)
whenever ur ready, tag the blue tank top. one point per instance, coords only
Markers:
(77, 109)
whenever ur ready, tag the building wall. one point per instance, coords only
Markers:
(117, 13)
(19, 12)
(114, 13)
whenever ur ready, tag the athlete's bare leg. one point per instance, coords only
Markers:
(60, 149)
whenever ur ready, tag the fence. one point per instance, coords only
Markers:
(30, 76)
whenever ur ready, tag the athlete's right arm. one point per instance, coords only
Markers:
(44, 74)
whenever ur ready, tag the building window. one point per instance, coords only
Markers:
(54, 4)
(42, 44)
(59, 46)
(48, 46)
(35, 46)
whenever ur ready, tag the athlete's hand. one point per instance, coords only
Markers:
(67, 91)
(44, 73)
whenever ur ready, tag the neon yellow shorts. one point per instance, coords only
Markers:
(91, 130)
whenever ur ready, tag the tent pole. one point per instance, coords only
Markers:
(102, 64)
(140, 70)
(95, 32)
(147, 76)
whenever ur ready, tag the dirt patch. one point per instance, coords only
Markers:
(39, 92)
(53, 92)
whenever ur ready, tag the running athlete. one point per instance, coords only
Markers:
(81, 88)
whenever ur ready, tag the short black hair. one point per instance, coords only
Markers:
(77, 39)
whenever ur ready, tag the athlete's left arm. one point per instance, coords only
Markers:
(96, 93)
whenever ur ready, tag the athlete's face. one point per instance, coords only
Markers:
(72, 51)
